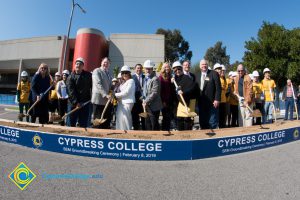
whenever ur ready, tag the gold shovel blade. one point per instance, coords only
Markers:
(144, 115)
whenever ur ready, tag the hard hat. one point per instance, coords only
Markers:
(149, 64)
(125, 68)
(230, 73)
(266, 70)
(176, 64)
(24, 73)
(57, 74)
(223, 67)
(234, 74)
(217, 65)
(114, 80)
(80, 59)
(119, 75)
(255, 73)
(66, 72)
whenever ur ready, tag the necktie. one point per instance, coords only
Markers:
(145, 87)
(202, 81)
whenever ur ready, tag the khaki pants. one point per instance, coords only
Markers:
(244, 116)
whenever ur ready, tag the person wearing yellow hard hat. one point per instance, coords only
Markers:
(23, 90)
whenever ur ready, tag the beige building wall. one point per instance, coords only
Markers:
(130, 49)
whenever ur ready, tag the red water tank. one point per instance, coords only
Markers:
(92, 46)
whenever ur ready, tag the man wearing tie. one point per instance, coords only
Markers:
(210, 96)
(102, 81)
(138, 78)
(186, 66)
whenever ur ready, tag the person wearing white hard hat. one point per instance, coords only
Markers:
(258, 96)
(40, 84)
(126, 99)
(268, 88)
(151, 96)
(102, 93)
(23, 90)
(62, 94)
(79, 85)
(210, 96)
(244, 90)
(53, 99)
(233, 102)
(138, 77)
(190, 91)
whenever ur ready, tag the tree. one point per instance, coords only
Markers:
(276, 48)
(217, 54)
(176, 47)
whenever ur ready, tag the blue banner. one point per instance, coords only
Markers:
(146, 149)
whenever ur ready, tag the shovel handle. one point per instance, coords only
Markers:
(69, 113)
(34, 104)
(105, 108)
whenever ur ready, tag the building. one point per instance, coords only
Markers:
(27, 54)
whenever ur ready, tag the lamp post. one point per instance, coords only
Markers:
(69, 28)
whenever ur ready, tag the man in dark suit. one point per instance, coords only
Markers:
(210, 96)
(138, 78)
(186, 65)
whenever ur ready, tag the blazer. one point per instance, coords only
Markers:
(152, 92)
(101, 86)
(138, 88)
(126, 94)
(211, 89)
(247, 89)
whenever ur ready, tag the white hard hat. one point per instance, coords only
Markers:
(24, 73)
(266, 70)
(125, 68)
(223, 67)
(57, 74)
(255, 73)
(119, 75)
(217, 65)
(234, 74)
(80, 59)
(176, 64)
(114, 79)
(230, 73)
(149, 64)
(66, 72)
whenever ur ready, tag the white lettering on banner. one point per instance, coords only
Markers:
(271, 136)
(9, 132)
(141, 146)
(236, 141)
(83, 143)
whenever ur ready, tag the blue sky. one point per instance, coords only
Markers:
(202, 22)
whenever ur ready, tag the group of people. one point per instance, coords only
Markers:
(89, 99)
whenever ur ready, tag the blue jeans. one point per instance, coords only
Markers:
(289, 106)
(268, 114)
(82, 116)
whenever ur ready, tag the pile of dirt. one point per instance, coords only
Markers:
(150, 135)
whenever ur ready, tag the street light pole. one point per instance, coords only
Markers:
(68, 34)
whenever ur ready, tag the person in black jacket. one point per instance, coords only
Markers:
(40, 83)
(210, 96)
(79, 86)
(189, 90)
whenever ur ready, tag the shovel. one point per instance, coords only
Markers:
(187, 112)
(97, 122)
(273, 105)
(144, 114)
(254, 113)
(75, 109)
(295, 104)
(36, 102)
